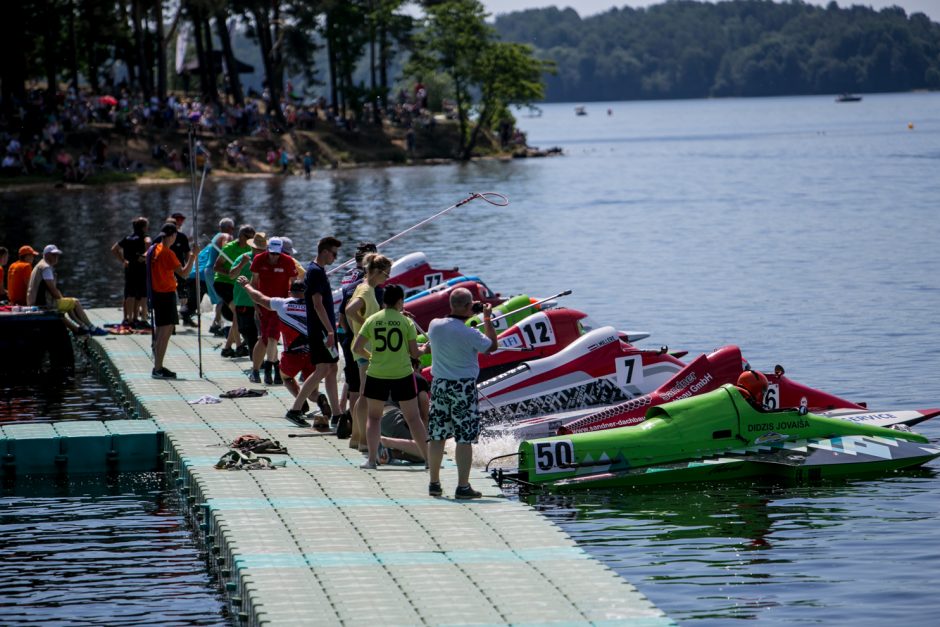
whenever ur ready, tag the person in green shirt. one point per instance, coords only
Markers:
(244, 306)
(225, 285)
(394, 342)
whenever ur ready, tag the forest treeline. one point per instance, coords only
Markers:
(685, 49)
(135, 48)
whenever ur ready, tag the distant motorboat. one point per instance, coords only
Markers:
(848, 98)
(579, 110)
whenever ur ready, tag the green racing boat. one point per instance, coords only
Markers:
(717, 436)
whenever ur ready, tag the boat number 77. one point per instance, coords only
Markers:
(554, 456)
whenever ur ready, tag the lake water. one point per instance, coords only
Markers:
(803, 230)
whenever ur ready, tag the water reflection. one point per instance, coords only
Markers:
(96, 552)
(778, 553)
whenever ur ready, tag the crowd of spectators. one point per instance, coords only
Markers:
(33, 139)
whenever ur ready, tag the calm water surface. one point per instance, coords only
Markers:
(94, 553)
(802, 230)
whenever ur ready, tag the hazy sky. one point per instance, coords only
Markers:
(588, 7)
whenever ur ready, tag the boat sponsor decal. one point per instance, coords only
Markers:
(510, 341)
(597, 392)
(780, 425)
(583, 424)
(554, 456)
(604, 342)
(770, 437)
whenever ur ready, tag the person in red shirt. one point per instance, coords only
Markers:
(272, 272)
(18, 275)
(164, 266)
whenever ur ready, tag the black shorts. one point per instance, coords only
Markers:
(403, 389)
(226, 291)
(164, 309)
(135, 282)
(247, 325)
(319, 353)
(350, 367)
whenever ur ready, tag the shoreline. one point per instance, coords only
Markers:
(147, 178)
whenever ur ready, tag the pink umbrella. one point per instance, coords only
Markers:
(108, 100)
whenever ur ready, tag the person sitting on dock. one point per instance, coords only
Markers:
(164, 268)
(42, 292)
(18, 275)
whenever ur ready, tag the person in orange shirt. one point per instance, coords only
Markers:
(163, 265)
(18, 275)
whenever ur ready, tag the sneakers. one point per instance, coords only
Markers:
(228, 352)
(266, 366)
(97, 331)
(367, 465)
(276, 366)
(255, 376)
(297, 417)
(434, 489)
(467, 492)
(162, 373)
(242, 351)
(141, 324)
(324, 405)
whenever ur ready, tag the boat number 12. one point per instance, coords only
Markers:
(555, 456)
(539, 333)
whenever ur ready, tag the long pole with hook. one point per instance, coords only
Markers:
(493, 198)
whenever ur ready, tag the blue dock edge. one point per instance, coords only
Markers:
(80, 447)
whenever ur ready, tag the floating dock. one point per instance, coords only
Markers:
(320, 541)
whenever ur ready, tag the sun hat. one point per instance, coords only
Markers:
(259, 241)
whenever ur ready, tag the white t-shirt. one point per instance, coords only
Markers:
(455, 348)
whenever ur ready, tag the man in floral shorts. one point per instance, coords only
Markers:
(455, 369)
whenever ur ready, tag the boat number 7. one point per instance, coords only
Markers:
(554, 456)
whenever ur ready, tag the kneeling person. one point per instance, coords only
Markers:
(394, 343)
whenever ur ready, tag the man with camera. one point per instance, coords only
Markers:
(454, 388)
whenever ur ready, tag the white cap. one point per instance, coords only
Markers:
(275, 245)
(51, 249)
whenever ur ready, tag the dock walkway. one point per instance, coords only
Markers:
(320, 541)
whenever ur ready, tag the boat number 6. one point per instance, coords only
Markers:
(771, 397)
(554, 456)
